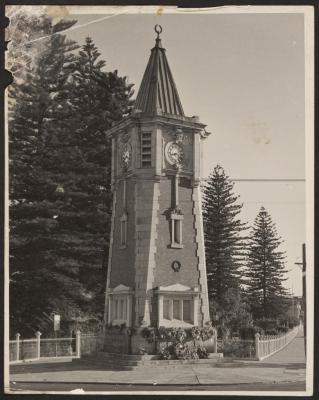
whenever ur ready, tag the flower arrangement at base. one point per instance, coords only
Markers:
(165, 354)
(182, 344)
(202, 352)
(196, 333)
(179, 343)
(181, 351)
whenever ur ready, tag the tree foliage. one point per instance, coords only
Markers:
(34, 285)
(59, 178)
(231, 312)
(265, 271)
(224, 240)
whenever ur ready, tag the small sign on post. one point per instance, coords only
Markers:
(38, 336)
(56, 327)
(56, 321)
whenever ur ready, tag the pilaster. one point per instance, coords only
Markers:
(146, 209)
(200, 253)
(109, 266)
(197, 156)
(136, 154)
(158, 151)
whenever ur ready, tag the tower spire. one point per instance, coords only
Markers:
(158, 93)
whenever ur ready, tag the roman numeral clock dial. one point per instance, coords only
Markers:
(174, 153)
(126, 155)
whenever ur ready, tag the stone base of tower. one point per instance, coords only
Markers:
(124, 342)
(135, 342)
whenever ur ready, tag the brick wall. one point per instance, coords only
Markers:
(123, 271)
(164, 274)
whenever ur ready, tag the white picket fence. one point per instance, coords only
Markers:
(269, 345)
(22, 350)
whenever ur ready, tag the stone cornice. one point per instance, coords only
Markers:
(138, 119)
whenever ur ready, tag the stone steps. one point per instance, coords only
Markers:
(128, 362)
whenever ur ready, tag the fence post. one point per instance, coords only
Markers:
(257, 336)
(18, 346)
(78, 344)
(38, 336)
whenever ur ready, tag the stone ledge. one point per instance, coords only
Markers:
(132, 360)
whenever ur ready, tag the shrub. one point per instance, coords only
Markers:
(181, 351)
(249, 332)
(223, 332)
(238, 348)
(267, 323)
(271, 332)
(292, 322)
(165, 353)
(173, 342)
(149, 334)
(203, 334)
(282, 329)
(202, 352)
(291, 325)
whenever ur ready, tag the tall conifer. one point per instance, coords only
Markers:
(265, 268)
(223, 230)
(96, 99)
(35, 287)
(61, 107)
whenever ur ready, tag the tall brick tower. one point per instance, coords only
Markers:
(156, 271)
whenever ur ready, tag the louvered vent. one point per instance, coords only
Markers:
(146, 149)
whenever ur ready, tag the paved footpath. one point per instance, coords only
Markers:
(293, 353)
(287, 366)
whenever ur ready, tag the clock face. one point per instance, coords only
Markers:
(175, 154)
(126, 155)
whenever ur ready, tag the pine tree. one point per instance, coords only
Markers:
(60, 185)
(234, 313)
(224, 241)
(35, 287)
(96, 99)
(265, 268)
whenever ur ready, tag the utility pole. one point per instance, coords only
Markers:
(304, 294)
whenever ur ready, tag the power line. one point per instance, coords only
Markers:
(264, 180)
(269, 180)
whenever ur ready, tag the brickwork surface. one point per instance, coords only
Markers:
(164, 274)
(122, 271)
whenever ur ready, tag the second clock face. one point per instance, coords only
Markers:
(174, 153)
(126, 155)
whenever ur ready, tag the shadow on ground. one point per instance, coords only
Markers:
(64, 366)
(80, 366)
(277, 365)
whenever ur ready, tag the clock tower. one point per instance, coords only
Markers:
(156, 270)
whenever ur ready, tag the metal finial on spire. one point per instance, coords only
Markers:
(158, 29)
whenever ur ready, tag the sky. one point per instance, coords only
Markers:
(243, 75)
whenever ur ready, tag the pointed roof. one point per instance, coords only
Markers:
(158, 91)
